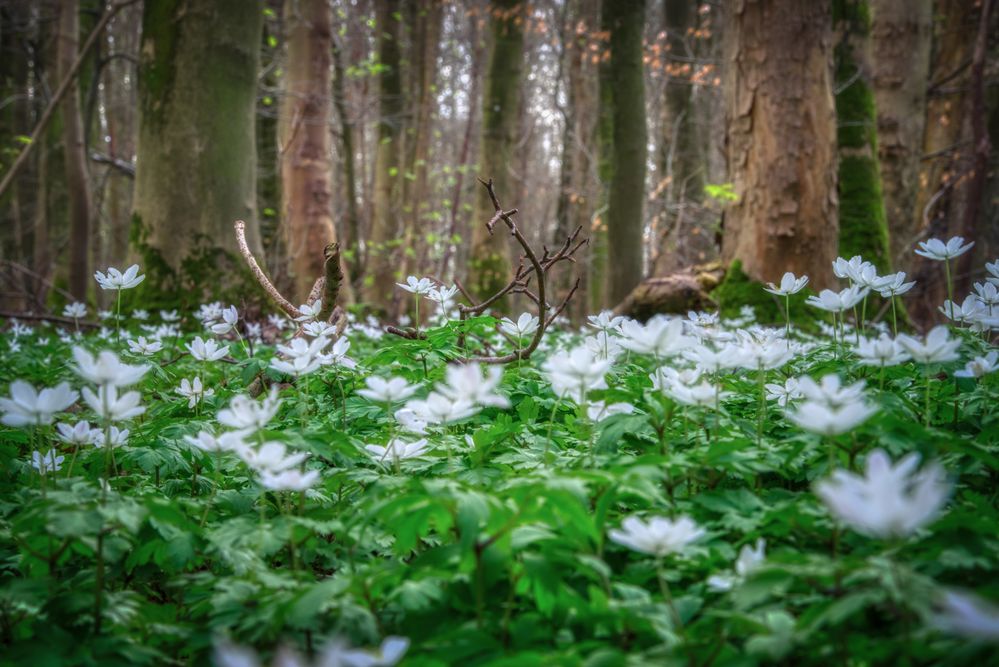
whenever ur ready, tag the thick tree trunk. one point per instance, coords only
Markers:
(383, 241)
(901, 36)
(304, 140)
(781, 139)
(489, 264)
(77, 182)
(196, 170)
(626, 20)
(863, 229)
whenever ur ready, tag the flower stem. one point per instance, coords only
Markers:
(551, 425)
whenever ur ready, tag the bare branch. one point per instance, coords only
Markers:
(259, 274)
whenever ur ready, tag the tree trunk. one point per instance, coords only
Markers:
(196, 169)
(626, 20)
(352, 225)
(77, 182)
(489, 265)
(380, 269)
(304, 141)
(901, 36)
(863, 229)
(781, 140)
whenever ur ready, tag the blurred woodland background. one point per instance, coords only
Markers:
(699, 145)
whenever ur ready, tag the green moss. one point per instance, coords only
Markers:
(160, 32)
(738, 290)
(863, 229)
(489, 274)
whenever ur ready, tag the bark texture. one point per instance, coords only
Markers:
(626, 20)
(196, 170)
(304, 140)
(781, 139)
(489, 264)
(901, 36)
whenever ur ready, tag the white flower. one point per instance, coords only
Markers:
(657, 537)
(139, 314)
(319, 329)
(980, 366)
(337, 355)
(109, 405)
(144, 347)
(277, 321)
(387, 391)
(525, 326)
(749, 559)
(304, 356)
(702, 320)
(605, 321)
(837, 302)
(244, 413)
(115, 279)
(940, 251)
(576, 372)
(28, 406)
(289, 480)
(789, 285)
(398, 450)
(702, 394)
(859, 272)
(117, 437)
(888, 501)
(227, 442)
(883, 351)
(80, 433)
(339, 654)
(828, 420)
(106, 369)
(783, 393)
(410, 421)
(309, 312)
(442, 296)
(76, 310)
(710, 361)
(937, 347)
(665, 377)
(764, 353)
(967, 615)
(271, 457)
(50, 462)
(970, 310)
(660, 336)
(465, 382)
(893, 285)
(206, 350)
(437, 408)
(599, 410)
(169, 316)
(830, 391)
(194, 391)
(987, 293)
(416, 285)
(230, 316)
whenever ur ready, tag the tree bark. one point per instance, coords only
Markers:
(626, 20)
(77, 181)
(863, 229)
(304, 140)
(781, 140)
(489, 264)
(901, 36)
(196, 170)
(352, 225)
(383, 241)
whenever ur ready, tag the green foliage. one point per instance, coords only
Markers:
(738, 290)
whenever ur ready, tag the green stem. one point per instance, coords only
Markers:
(894, 317)
(117, 320)
(551, 425)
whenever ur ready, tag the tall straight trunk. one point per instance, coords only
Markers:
(901, 36)
(863, 229)
(196, 169)
(77, 182)
(383, 241)
(352, 224)
(596, 273)
(939, 203)
(781, 139)
(304, 140)
(489, 264)
(626, 21)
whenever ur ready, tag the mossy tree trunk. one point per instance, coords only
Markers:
(383, 240)
(901, 35)
(489, 264)
(196, 170)
(77, 180)
(781, 139)
(863, 229)
(305, 142)
(626, 21)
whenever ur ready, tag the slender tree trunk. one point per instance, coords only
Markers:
(77, 182)
(901, 36)
(489, 264)
(352, 224)
(384, 238)
(196, 170)
(626, 20)
(863, 229)
(304, 140)
(781, 140)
